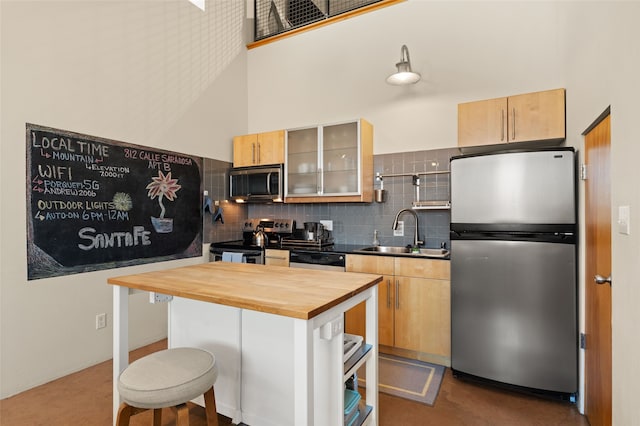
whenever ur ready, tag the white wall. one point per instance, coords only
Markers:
(467, 51)
(464, 50)
(602, 63)
(155, 73)
(164, 74)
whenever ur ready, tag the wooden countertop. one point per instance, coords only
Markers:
(291, 292)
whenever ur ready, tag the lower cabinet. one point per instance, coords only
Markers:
(276, 257)
(414, 306)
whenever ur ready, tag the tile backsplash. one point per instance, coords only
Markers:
(216, 183)
(353, 223)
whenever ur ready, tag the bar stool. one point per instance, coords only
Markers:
(168, 378)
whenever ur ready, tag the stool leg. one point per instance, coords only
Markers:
(182, 416)
(210, 407)
(157, 417)
(124, 414)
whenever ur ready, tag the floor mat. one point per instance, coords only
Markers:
(407, 378)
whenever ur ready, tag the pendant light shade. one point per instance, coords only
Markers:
(404, 75)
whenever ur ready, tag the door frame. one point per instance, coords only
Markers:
(587, 272)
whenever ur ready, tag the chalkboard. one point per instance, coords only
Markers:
(95, 203)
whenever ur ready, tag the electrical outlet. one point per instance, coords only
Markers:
(159, 298)
(399, 231)
(328, 224)
(101, 321)
(332, 329)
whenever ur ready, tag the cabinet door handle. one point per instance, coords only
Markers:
(397, 294)
(513, 125)
(388, 294)
(502, 125)
(253, 153)
(258, 152)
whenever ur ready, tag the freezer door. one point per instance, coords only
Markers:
(513, 313)
(536, 187)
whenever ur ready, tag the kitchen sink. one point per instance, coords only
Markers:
(406, 251)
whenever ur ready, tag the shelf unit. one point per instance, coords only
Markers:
(351, 365)
(418, 204)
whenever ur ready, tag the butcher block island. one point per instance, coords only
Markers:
(276, 332)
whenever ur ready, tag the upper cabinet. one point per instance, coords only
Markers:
(259, 149)
(538, 116)
(330, 163)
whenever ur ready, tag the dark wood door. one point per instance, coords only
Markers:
(598, 262)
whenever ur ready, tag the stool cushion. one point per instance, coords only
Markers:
(168, 378)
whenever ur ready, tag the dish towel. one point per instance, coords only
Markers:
(233, 257)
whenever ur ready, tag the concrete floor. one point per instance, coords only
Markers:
(84, 398)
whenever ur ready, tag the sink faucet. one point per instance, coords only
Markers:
(416, 241)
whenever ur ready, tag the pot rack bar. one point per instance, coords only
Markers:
(380, 176)
(417, 204)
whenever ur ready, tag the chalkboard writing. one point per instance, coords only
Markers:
(95, 203)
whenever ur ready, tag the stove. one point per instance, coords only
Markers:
(281, 234)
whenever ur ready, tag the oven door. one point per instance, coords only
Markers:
(216, 254)
(319, 260)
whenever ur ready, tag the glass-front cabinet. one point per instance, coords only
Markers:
(330, 163)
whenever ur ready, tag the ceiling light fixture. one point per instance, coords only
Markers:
(404, 75)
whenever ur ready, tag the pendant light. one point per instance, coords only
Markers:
(404, 75)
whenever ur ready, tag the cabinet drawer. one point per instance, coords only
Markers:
(276, 257)
(423, 268)
(382, 265)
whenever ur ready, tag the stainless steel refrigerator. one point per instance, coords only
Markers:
(513, 269)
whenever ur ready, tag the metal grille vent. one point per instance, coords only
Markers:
(279, 16)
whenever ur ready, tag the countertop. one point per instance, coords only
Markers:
(334, 248)
(296, 293)
(355, 249)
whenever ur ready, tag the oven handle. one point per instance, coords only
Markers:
(317, 267)
(255, 257)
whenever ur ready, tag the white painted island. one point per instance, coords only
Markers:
(277, 334)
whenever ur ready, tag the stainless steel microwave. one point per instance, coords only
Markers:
(256, 184)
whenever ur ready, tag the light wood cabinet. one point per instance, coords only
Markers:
(330, 163)
(538, 116)
(276, 257)
(423, 306)
(258, 149)
(414, 306)
(355, 318)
